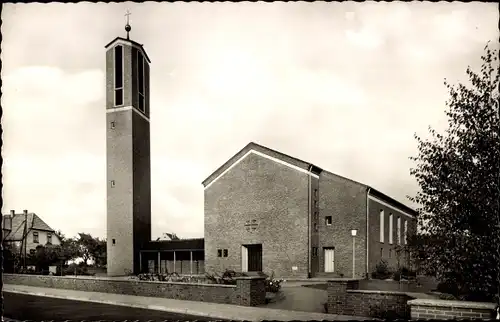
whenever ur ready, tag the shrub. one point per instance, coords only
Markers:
(381, 271)
(273, 285)
(76, 269)
(448, 288)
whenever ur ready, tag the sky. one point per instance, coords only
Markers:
(341, 85)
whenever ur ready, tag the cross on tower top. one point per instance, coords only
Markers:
(127, 26)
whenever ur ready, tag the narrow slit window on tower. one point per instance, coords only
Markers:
(118, 75)
(114, 241)
(112, 183)
(328, 220)
(140, 81)
(112, 125)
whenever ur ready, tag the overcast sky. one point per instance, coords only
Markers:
(342, 85)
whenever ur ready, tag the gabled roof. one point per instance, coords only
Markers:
(306, 166)
(34, 222)
(292, 161)
(130, 42)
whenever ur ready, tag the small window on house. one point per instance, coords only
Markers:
(49, 239)
(35, 237)
(112, 125)
(219, 252)
(112, 183)
(328, 220)
(114, 241)
(225, 252)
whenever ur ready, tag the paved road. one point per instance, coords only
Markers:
(37, 308)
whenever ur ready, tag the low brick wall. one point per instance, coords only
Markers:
(249, 291)
(444, 310)
(344, 297)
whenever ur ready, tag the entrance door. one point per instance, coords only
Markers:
(253, 256)
(329, 260)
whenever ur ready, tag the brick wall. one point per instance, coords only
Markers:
(276, 197)
(444, 310)
(384, 250)
(249, 291)
(345, 298)
(345, 201)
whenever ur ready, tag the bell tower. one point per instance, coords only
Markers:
(128, 158)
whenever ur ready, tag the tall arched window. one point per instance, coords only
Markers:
(118, 75)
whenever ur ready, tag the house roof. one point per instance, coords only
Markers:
(136, 44)
(34, 222)
(181, 244)
(304, 165)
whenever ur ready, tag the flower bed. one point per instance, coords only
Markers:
(273, 285)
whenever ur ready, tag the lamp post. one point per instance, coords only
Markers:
(353, 234)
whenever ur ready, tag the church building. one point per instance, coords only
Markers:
(268, 211)
(264, 210)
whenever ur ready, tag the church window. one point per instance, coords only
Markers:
(118, 75)
(49, 239)
(140, 80)
(35, 237)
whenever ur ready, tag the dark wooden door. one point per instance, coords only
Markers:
(255, 258)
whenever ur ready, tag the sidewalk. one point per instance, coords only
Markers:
(206, 309)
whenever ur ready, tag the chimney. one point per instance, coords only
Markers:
(25, 212)
(12, 213)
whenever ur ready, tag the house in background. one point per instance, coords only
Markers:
(22, 233)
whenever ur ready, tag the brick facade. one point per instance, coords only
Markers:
(345, 201)
(447, 310)
(273, 195)
(385, 250)
(249, 291)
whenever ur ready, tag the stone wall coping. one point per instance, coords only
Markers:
(457, 304)
(250, 278)
(124, 280)
(379, 292)
(345, 279)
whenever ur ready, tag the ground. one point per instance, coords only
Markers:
(294, 296)
(37, 308)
